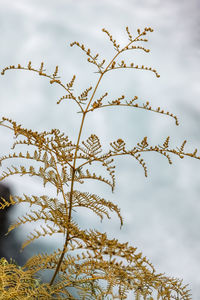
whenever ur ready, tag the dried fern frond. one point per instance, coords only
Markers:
(98, 103)
(93, 266)
(42, 232)
(143, 146)
(93, 59)
(22, 284)
(132, 272)
(113, 64)
(115, 44)
(92, 146)
(53, 79)
(52, 143)
(88, 175)
(51, 209)
(84, 95)
(123, 65)
(90, 264)
(98, 205)
(120, 102)
(90, 154)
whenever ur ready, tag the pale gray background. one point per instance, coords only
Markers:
(161, 212)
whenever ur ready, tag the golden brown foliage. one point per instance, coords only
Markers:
(90, 265)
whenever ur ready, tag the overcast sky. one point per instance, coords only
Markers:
(161, 212)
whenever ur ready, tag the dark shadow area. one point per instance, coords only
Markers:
(9, 245)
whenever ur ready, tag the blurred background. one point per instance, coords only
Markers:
(161, 212)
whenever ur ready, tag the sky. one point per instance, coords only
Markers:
(161, 212)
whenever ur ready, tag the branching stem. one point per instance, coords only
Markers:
(75, 158)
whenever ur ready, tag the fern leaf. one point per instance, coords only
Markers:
(115, 44)
(98, 205)
(92, 145)
(118, 145)
(91, 58)
(84, 95)
(48, 230)
(131, 103)
(6, 203)
(88, 175)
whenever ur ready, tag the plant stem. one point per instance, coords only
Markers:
(72, 184)
(74, 164)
